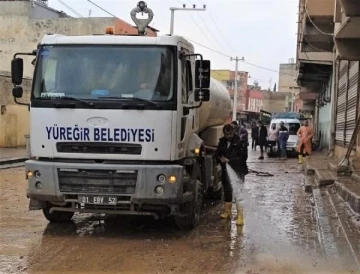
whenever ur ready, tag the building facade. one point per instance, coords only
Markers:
(227, 78)
(288, 83)
(287, 77)
(275, 102)
(328, 55)
(254, 100)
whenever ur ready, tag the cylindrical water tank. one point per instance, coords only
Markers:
(217, 111)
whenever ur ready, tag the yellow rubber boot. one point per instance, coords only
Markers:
(300, 159)
(240, 215)
(227, 211)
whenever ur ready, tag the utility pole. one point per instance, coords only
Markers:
(236, 59)
(292, 99)
(184, 8)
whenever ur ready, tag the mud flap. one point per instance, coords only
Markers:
(36, 205)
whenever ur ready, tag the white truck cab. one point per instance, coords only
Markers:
(117, 126)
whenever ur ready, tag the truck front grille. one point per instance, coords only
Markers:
(98, 148)
(97, 181)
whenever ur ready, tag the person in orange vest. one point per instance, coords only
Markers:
(305, 134)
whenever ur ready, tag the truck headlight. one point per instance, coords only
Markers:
(172, 179)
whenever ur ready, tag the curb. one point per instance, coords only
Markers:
(13, 160)
(352, 198)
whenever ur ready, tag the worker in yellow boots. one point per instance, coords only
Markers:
(232, 152)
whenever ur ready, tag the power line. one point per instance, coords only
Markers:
(193, 19)
(103, 9)
(69, 8)
(249, 77)
(216, 51)
(206, 26)
(228, 56)
(217, 26)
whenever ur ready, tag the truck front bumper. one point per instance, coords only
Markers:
(62, 183)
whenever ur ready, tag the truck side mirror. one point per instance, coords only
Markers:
(202, 74)
(17, 70)
(202, 95)
(17, 92)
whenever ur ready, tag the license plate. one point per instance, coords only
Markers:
(97, 200)
(289, 149)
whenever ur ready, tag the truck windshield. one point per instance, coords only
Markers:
(104, 72)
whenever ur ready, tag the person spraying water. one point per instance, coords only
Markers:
(232, 152)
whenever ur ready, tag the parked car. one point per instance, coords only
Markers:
(293, 126)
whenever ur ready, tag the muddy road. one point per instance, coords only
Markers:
(286, 231)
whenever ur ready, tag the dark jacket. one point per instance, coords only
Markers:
(263, 136)
(237, 153)
(283, 134)
(255, 132)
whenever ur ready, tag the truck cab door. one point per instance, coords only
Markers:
(185, 117)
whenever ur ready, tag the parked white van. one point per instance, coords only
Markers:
(293, 126)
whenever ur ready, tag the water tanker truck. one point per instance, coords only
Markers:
(120, 124)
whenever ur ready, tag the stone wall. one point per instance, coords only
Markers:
(6, 89)
(14, 118)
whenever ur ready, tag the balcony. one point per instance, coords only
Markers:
(308, 96)
(351, 8)
(320, 8)
(315, 46)
(347, 38)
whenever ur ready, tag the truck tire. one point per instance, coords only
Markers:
(56, 216)
(192, 210)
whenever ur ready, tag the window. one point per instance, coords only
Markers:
(184, 85)
(187, 81)
(100, 71)
(293, 128)
(49, 75)
(189, 76)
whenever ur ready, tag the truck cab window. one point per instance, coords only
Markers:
(189, 76)
(49, 75)
(187, 85)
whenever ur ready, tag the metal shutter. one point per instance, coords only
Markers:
(352, 101)
(341, 103)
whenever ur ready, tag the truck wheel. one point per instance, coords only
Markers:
(192, 210)
(57, 216)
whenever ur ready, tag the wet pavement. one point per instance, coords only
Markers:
(286, 231)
